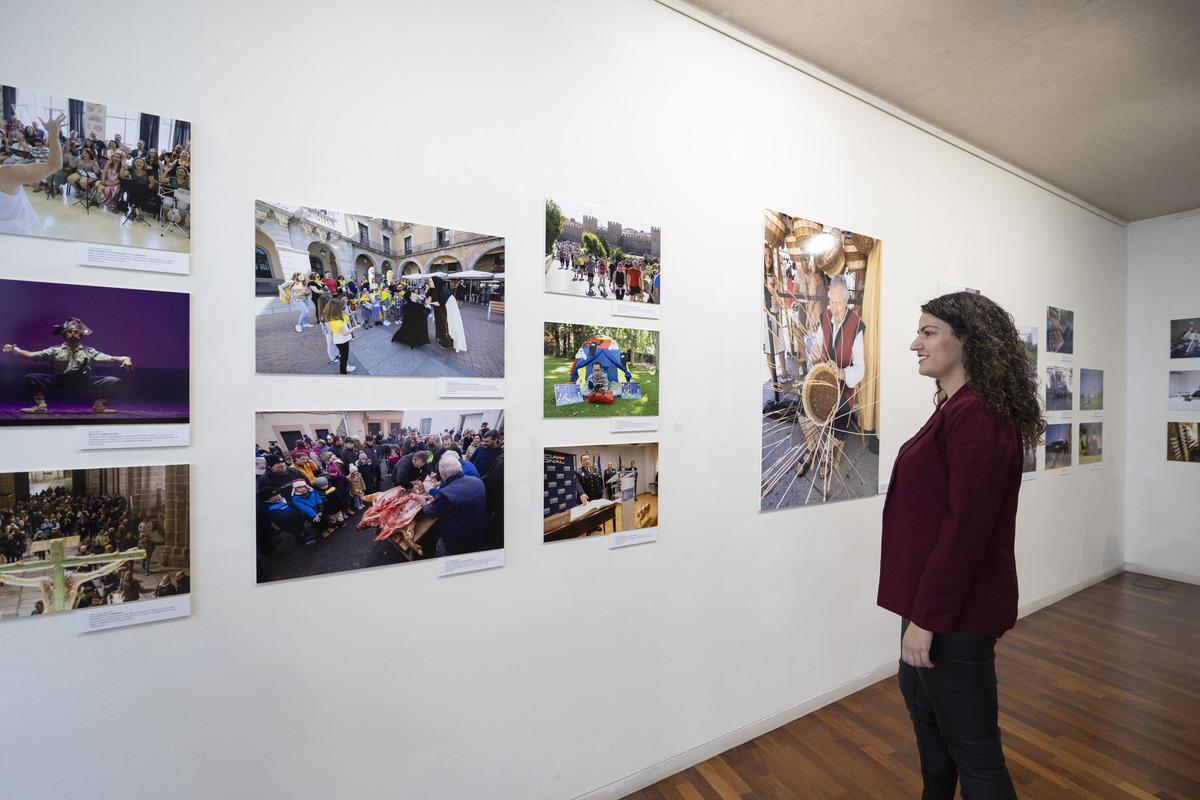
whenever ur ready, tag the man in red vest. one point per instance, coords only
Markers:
(841, 348)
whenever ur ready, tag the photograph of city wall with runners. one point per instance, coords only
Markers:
(352, 294)
(617, 259)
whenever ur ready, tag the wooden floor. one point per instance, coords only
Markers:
(1099, 698)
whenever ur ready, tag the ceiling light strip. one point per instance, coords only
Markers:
(834, 82)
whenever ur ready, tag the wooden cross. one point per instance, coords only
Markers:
(58, 562)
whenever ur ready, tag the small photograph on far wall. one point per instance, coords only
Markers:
(1185, 338)
(1030, 463)
(1091, 390)
(1058, 446)
(1059, 393)
(603, 253)
(1183, 441)
(599, 489)
(1060, 330)
(1091, 442)
(1029, 338)
(1184, 386)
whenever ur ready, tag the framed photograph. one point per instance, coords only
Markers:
(1091, 390)
(601, 253)
(346, 490)
(1091, 442)
(1058, 446)
(1029, 338)
(90, 355)
(1185, 338)
(1183, 441)
(1060, 330)
(820, 362)
(1183, 390)
(1060, 391)
(601, 362)
(87, 538)
(341, 293)
(599, 489)
(87, 171)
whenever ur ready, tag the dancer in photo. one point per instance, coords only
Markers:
(947, 565)
(16, 213)
(72, 365)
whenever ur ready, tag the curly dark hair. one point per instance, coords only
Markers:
(994, 359)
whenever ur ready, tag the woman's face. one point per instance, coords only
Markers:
(139, 164)
(939, 351)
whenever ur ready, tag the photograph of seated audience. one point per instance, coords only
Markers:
(338, 491)
(72, 516)
(83, 171)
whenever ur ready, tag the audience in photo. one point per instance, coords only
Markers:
(104, 524)
(109, 173)
(315, 490)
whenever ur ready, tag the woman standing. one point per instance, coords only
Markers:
(343, 331)
(947, 563)
(298, 291)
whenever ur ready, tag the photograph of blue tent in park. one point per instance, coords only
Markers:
(613, 370)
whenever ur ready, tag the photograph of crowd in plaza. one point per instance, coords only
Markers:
(600, 371)
(1183, 390)
(92, 537)
(89, 172)
(1060, 330)
(1091, 442)
(1185, 338)
(599, 489)
(346, 490)
(1029, 337)
(820, 363)
(617, 259)
(1183, 441)
(1060, 394)
(1091, 390)
(92, 355)
(1058, 446)
(339, 293)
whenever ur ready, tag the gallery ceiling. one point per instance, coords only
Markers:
(1098, 98)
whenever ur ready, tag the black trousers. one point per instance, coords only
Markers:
(955, 714)
(343, 349)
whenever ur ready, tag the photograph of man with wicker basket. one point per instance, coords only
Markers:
(821, 373)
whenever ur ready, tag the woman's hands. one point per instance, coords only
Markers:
(914, 647)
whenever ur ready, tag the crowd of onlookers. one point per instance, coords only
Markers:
(631, 278)
(317, 486)
(104, 525)
(135, 180)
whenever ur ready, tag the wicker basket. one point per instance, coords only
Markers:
(774, 230)
(820, 394)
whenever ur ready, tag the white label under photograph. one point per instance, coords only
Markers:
(122, 437)
(89, 254)
(633, 424)
(102, 618)
(627, 538)
(453, 565)
(452, 388)
(624, 308)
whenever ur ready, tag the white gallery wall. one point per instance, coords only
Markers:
(1162, 535)
(573, 670)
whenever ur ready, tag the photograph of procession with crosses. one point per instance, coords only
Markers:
(92, 537)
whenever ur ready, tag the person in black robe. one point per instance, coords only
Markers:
(441, 331)
(414, 330)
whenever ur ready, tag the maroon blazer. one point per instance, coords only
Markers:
(949, 521)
